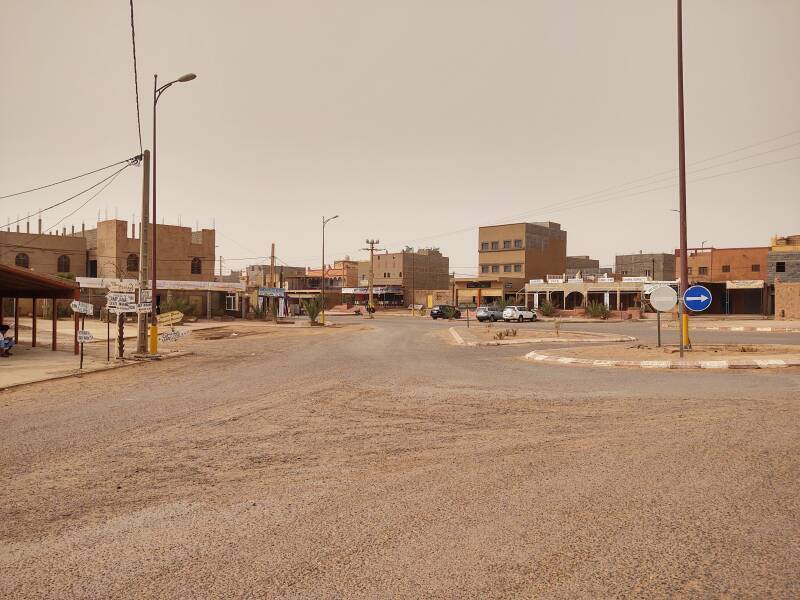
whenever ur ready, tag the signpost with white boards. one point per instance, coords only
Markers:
(662, 299)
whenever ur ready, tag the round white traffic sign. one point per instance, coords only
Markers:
(663, 298)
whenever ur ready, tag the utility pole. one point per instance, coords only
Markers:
(684, 275)
(413, 288)
(272, 266)
(371, 301)
(144, 237)
(322, 280)
(220, 267)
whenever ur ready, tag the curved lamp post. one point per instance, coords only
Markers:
(157, 91)
(324, 222)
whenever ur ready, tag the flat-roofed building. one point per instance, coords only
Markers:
(659, 266)
(521, 251)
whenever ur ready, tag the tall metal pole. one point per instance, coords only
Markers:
(153, 287)
(684, 275)
(324, 222)
(144, 234)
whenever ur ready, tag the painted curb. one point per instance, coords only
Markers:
(771, 363)
(759, 329)
(565, 340)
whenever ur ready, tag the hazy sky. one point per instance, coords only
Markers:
(412, 120)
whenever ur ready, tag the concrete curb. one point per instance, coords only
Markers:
(771, 363)
(565, 340)
(126, 362)
(759, 329)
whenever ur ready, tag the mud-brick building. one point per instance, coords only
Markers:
(783, 272)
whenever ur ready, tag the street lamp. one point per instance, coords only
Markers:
(157, 91)
(324, 222)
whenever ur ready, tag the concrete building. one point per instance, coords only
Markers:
(658, 266)
(521, 251)
(183, 254)
(44, 253)
(585, 266)
(401, 278)
(736, 278)
(783, 272)
(259, 275)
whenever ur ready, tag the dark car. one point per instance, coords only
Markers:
(442, 311)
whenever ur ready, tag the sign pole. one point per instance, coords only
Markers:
(658, 320)
(108, 336)
(83, 326)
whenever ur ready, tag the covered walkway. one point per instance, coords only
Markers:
(17, 283)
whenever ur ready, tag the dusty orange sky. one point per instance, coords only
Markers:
(415, 121)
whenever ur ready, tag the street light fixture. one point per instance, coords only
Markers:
(157, 91)
(324, 222)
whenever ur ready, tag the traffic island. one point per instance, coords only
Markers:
(490, 335)
(702, 356)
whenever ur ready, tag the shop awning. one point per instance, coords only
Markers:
(745, 284)
(16, 282)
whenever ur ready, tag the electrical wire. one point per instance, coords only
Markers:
(132, 160)
(136, 80)
(42, 210)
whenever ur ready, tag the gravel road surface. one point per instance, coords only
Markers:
(379, 460)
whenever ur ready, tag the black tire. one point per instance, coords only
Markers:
(493, 318)
(520, 319)
(433, 317)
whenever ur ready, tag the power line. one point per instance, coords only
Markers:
(131, 160)
(91, 187)
(136, 80)
(624, 185)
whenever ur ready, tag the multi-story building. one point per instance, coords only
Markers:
(401, 278)
(783, 271)
(659, 266)
(109, 252)
(736, 277)
(585, 266)
(521, 251)
(259, 275)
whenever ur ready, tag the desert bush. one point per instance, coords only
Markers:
(548, 308)
(597, 310)
(313, 307)
(178, 304)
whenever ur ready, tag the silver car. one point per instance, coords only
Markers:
(518, 313)
(489, 313)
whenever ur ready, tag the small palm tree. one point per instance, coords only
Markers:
(313, 306)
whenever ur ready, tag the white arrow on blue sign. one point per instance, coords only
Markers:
(697, 298)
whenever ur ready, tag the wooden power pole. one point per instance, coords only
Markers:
(371, 248)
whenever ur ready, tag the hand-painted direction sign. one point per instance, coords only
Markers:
(172, 336)
(82, 307)
(663, 298)
(116, 299)
(144, 307)
(170, 318)
(84, 336)
(697, 298)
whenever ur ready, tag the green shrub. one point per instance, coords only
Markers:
(313, 306)
(597, 310)
(449, 312)
(548, 308)
(178, 304)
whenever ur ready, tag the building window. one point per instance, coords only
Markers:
(133, 262)
(755, 268)
(197, 266)
(726, 268)
(689, 270)
(506, 244)
(780, 267)
(400, 274)
(484, 268)
(495, 268)
(484, 245)
(702, 271)
(495, 245)
(506, 268)
(517, 268)
(230, 302)
(63, 264)
(647, 272)
(517, 243)
(22, 260)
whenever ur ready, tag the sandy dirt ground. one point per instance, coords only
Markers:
(381, 462)
(488, 333)
(638, 351)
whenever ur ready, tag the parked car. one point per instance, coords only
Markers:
(489, 313)
(441, 311)
(518, 313)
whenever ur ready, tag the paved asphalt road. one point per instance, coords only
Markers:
(379, 460)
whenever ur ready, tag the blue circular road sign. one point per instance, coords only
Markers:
(697, 298)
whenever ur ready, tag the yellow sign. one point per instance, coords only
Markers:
(170, 318)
